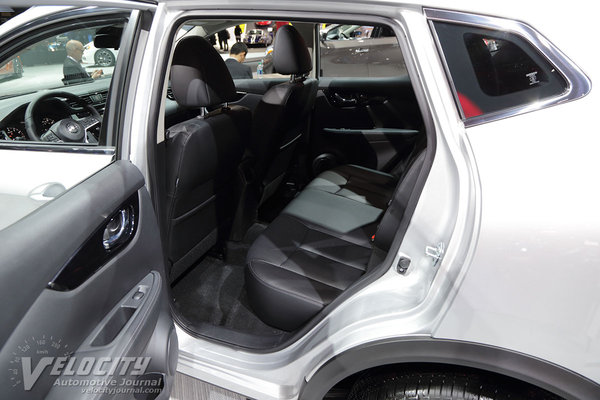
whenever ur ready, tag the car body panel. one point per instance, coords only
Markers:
(535, 272)
(27, 191)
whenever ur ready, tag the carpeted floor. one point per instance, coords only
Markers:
(213, 292)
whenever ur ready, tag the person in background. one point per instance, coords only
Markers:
(73, 71)
(212, 39)
(223, 37)
(238, 33)
(237, 55)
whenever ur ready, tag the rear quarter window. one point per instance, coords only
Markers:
(494, 70)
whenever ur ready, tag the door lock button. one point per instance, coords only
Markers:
(138, 295)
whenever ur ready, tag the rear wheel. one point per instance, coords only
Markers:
(444, 385)
(104, 58)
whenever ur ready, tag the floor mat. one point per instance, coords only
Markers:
(213, 291)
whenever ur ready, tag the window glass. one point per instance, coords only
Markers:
(72, 71)
(356, 50)
(494, 70)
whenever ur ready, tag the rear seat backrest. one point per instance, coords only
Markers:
(386, 231)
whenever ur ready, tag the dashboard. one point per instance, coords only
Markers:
(12, 126)
(12, 111)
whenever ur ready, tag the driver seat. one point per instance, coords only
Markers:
(202, 154)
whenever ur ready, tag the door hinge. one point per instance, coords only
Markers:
(435, 252)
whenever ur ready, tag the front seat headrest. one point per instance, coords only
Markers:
(290, 54)
(199, 76)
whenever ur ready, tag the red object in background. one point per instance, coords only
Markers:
(7, 68)
(469, 108)
(279, 24)
(264, 23)
(13, 68)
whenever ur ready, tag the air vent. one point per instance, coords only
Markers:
(98, 100)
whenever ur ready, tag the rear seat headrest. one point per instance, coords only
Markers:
(290, 54)
(199, 76)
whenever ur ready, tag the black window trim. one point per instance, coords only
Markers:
(578, 84)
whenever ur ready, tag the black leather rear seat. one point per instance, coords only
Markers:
(323, 241)
(357, 183)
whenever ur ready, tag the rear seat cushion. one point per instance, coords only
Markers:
(346, 218)
(296, 268)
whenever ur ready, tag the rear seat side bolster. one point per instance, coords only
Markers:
(386, 232)
(277, 307)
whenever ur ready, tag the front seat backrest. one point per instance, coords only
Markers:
(202, 154)
(281, 117)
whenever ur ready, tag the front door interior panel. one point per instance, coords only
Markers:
(120, 309)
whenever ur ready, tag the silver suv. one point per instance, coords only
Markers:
(419, 220)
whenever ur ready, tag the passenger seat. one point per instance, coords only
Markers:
(324, 241)
(203, 154)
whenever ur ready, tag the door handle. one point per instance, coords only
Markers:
(47, 191)
(344, 101)
(119, 229)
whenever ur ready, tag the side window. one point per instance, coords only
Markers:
(354, 50)
(53, 89)
(494, 70)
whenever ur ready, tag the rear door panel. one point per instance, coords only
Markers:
(372, 122)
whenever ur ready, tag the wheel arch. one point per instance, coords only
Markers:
(546, 375)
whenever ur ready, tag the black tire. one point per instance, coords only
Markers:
(104, 58)
(444, 386)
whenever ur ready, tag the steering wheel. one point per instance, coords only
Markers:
(71, 129)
